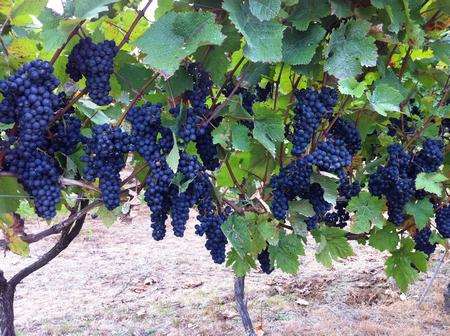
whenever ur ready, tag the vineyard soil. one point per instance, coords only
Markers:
(119, 281)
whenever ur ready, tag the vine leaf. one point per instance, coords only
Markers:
(174, 156)
(388, 94)
(403, 264)
(351, 87)
(395, 10)
(10, 192)
(307, 11)
(108, 217)
(263, 38)
(299, 47)
(86, 9)
(55, 30)
(286, 253)
(240, 265)
(441, 48)
(240, 138)
(175, 36)
(236, 230)
(265, 10)
(385, 239)
(422, 211)
(368, 210)
(341, 8)
(349, 49)
(269, 129)
(431, 182)
(332, 245)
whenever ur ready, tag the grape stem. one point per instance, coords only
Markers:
(71, 35)
(216, 111)
(429, 119)
(229, 74)
(66, 108)
(138, 17)
(136, 99)
(233, 177)
(405, 62)
(4, 46)
(63, 181)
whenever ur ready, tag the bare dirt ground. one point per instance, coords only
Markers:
(118, 281)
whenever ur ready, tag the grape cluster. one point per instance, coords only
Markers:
(312, 106)
(29, 102)
(39, 174)
(443, 221)
(152, 141)
(292, 181)
(264, 261)
(422, 240)
(96, 63)
(430, 157)
(105, 158)
(346, 131)
(64, 135)
(396, 179)
(394, 182)
(330, 155)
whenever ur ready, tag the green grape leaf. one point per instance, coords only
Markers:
(404, 263)
(265, 9)
(329, 186)
(385, 239)
(350, 48)
(333, 245)
(307, 11)
(178, 83)
(302, 207)
(108, 217)
(298, 224)
(385, 98)
(395, 10)
(368, 211)
(237, 232)
(441, 48)
(431, 182)
(299, 47)
(177, 35)
(285, 254)
(341, 8)
(163, 7)
(351, 87)
(93, 112)
(269, 128)
(174, 156)
(240, 137)
(422, 211)
(87, 9)
(241, 265)
(216, 64)
(269, 232)
(10, 194)
(263, 38)
(237, 164)
(222, 134)
(28, 8)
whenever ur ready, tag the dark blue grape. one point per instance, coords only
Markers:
(105, 158)
(96, 63)
(443, 221)
(346, 131)
(430, 157)
(422, 240)
(264, 261)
